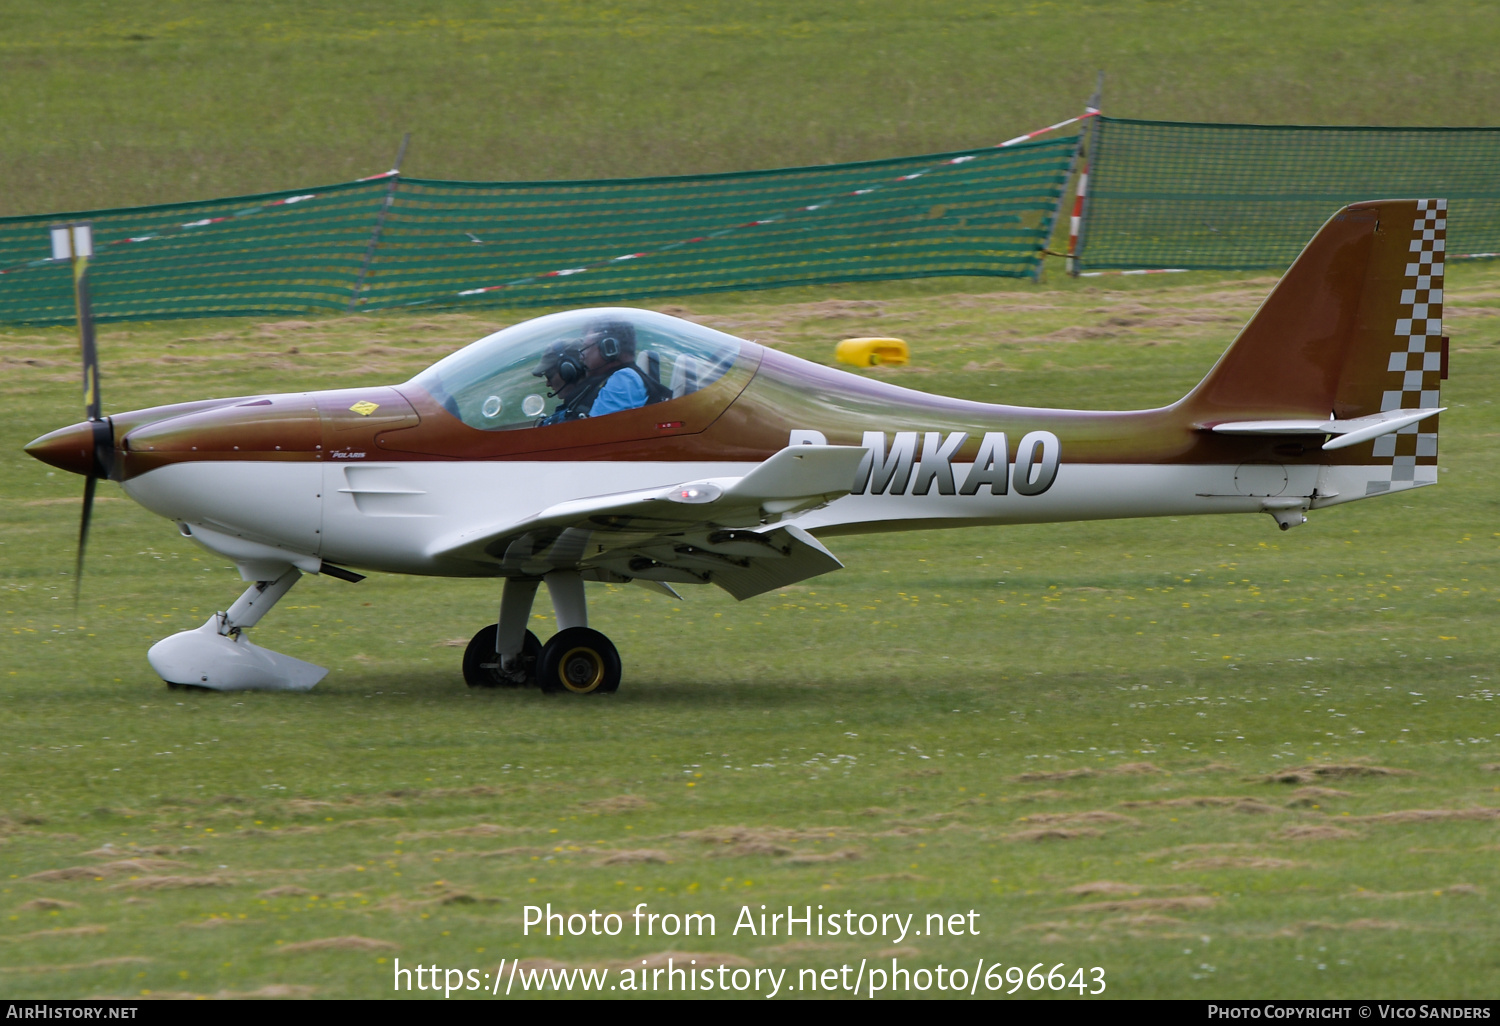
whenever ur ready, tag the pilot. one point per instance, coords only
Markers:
(563, 369)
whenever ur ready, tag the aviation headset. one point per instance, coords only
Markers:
(570, 366)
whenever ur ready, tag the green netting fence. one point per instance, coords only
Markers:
(1171, 194)
(407, 242)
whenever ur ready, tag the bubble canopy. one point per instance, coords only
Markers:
(493, 384)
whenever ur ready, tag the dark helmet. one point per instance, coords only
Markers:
(563, 359)
(616, 339)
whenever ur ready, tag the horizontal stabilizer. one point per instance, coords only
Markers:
(1362, 429)
(1345, 432)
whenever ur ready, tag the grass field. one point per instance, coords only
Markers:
(166, 100)
(1209, 757)
(1213, 759)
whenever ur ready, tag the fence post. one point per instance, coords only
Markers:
(1049, 228)
(1081, 195)
(390, 197)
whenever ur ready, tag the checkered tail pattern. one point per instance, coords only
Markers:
(1416, 363)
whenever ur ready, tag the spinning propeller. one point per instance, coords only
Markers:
(87, 448)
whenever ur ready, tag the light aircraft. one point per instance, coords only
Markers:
(743, 459)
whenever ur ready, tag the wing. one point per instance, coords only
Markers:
(728, 531)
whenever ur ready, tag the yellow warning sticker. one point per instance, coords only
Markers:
(364, 407)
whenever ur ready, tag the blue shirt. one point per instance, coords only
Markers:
(623, 391)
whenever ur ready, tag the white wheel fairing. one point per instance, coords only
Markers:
(204, 658)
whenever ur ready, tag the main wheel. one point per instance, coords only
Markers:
(579, 660)
(482, 664)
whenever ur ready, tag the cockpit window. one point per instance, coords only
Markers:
(583, 363)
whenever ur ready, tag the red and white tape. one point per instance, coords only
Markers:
(1154, 270)
(563, 272)
(179, 229)
(176, 229)
(1050, 128)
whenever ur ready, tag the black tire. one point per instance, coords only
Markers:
(480, 670)
(579, 661)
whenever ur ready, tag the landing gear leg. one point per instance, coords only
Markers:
(219, 657)
(576, 659)
(566, 589)
(505, 654)
(257, 601)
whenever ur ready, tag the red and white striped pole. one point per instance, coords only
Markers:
(1075, 225)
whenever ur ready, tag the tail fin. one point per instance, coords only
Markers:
(1352, 331)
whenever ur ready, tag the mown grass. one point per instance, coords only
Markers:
(1076, 730)
(166, 100)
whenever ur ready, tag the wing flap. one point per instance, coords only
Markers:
(788, 555)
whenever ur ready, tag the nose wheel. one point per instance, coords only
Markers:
(483, 667)
(579, 661)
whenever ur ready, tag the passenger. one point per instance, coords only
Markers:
(609, 352)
